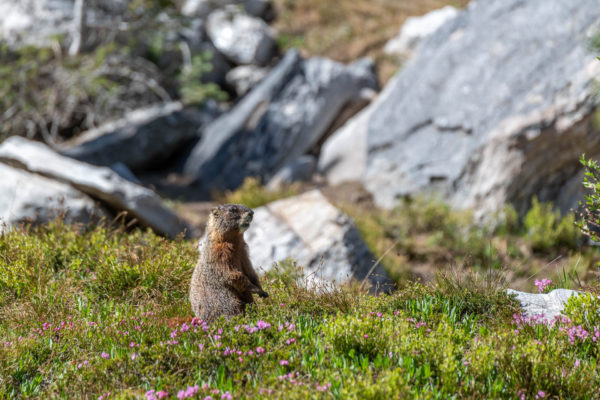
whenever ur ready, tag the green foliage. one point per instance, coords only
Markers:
(589, 222)
(193, 90)
(547, 229)
(252, 194)
(85, 312)
(584, 310)
(45, 93)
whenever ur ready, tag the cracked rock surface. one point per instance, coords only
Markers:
(496, 106)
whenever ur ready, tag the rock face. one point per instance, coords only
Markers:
(549, 304)
(26, 197)
(100, 183)
(416, 29)
(496, 106)
(144, 138)
(321, 238)
(279, 120)
(240, 37)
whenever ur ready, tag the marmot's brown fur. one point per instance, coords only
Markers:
(224, 280)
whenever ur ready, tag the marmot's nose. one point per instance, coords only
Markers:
(251, 213)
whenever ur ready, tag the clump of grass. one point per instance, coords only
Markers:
(253, 194)
(426, 233)
(547, 229)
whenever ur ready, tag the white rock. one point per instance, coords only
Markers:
(549, 305)
(30, 198)
(101, 183)
(322, 239)
(245, 77)
(241, 38)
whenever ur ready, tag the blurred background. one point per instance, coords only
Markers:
(379, 140)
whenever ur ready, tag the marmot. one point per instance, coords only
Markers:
(224, 280)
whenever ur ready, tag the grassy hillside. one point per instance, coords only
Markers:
(104, 313)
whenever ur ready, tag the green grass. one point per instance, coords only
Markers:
(95, 312)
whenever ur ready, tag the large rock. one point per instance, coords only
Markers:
(496, 106)
(415, 29)
(30, 198)
(549, 305)
(100, 183)
(34, 22)
(322, 239)
(240, 37)
(281, 119)
(143, 139)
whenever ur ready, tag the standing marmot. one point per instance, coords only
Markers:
(224, 280)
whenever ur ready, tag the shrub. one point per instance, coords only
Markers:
(547, 229)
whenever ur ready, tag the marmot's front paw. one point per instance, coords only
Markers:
(263, 294)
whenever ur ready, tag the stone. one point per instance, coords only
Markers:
(100, 183)
(299, 170)
(34, 199)
(261, 9)
(322, 239)
(243, 78)
(549, 305)
(241, 38)
(34, 22)
(494, 107)
(416, 29)
(143, 139)
(281, 119)
(201, 8)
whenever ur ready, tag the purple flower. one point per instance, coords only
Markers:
(284, 362)
(542, 284)
(105, 355)
(263, 325)
(226, 396)
(540, 395)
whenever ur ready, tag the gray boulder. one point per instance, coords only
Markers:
(143, 139)
(30, 198)
(243, 78)
(34, 22)
(100, 183)
(241, 38)
(496, 106)
(322, 239)
(549, 305)
(281, 119)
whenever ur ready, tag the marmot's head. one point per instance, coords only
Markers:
(229, 219)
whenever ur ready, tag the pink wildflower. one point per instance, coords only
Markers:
(105, 355)
(284, 362)
(226, 396)
(542, 284)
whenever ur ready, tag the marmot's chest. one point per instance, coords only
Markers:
(226, 254)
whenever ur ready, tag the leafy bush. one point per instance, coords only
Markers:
(589, 222)
(547, 229)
